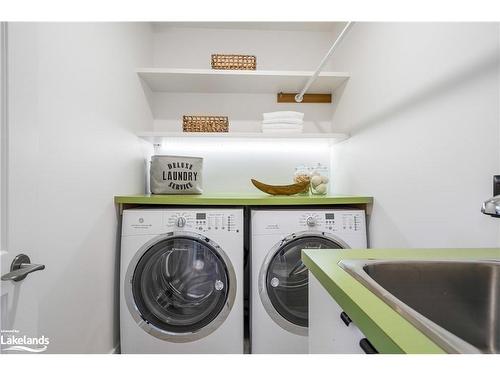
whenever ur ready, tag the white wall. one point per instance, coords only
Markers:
(423, 109)
(86, 103)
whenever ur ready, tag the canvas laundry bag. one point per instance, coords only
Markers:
(176, 174)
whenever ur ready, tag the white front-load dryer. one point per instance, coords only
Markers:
(279, 279)
(181, 283)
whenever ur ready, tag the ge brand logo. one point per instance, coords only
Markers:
(141, 220)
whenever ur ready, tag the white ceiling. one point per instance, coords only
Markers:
(280, 26)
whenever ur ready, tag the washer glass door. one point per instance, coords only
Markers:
(180, 285)
(287, 278)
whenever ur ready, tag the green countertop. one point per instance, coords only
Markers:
(242, 200)
(384, 327)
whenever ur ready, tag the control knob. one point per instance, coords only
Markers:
(181, 222)
(311, 221)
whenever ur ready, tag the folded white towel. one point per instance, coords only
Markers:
(281, 131)
(283, 114)
(283, 120)
(282, 126)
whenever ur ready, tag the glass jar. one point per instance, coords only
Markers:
(302, 175)
(319, 179)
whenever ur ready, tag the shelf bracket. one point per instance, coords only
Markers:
(284, 97)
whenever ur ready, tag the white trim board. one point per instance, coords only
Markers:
(238, 81)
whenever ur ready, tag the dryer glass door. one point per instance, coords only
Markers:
(180, 285)
(287, 278)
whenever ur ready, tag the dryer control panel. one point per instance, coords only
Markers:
(291, 221)
(334, 221)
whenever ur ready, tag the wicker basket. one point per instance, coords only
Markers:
(205, 123)
(234, 62)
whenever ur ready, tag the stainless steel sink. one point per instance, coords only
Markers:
(454, 302)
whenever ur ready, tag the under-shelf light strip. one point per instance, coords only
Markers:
(193, 145)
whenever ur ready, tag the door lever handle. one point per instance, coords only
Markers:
(20, 268)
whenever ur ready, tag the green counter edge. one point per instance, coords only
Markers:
(257, 200)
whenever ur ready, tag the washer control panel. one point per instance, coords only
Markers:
(158, 221)
(203, 221)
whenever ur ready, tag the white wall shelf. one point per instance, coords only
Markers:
(159, 137)
(238, 81)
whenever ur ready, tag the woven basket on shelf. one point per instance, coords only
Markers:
(205, 123)
(234, 62)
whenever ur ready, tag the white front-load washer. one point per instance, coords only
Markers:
(279, 279)
(181, 283)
